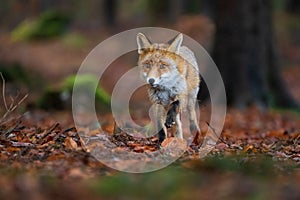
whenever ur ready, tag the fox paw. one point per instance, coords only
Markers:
(198, 139)
(170, 121)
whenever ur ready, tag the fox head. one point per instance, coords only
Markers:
(159, 61)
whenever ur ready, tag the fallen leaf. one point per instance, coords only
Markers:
(248, 148)
(70, 143)
(221, 146)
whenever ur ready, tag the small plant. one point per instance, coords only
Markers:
(59, 97)
(49, 24)
(14, 103)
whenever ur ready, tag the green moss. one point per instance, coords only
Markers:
(86, 82)
(74, 40)
(60, 97)
(49, 24)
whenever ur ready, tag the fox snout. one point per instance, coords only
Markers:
(154, 82)
(151, 81)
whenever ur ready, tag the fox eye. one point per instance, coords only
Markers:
(147, 65)
(162, 66)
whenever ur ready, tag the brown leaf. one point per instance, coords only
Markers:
(139, 149)
(56, 156)
(93, 132)
(173, 142)
(12, 149)
(83, 145)
(278, 133)
(221, 146)
(70, 143)
(248, 148)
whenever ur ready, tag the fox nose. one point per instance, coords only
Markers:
(151, 81)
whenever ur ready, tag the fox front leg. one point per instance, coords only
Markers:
(194, 127)
(161, 113)
(172, 113)
(178, 126)
(173, 119)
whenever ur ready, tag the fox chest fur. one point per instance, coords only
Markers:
(169, 75)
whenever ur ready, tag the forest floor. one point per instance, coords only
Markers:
(257, 157)
(42, 155)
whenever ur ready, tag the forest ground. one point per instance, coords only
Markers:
(43, 157)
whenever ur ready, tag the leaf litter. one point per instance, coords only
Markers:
(45, 146)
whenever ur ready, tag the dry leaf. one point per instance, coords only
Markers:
(70, 143)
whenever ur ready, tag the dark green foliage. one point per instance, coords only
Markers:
(158, 10)
(49, 24)
(14, 73)
(164, 184)
(51, 99)
(248, 178)
(60, 97)
(85, 82)
(74, 40)
(259, 166)
(192, 6)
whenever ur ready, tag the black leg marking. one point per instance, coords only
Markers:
(161, 136)
(171, 115)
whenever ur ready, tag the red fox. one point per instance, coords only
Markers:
(172, 74)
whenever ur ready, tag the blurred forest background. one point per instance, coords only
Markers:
(256, 46)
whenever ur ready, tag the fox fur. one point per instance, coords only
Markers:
(172, 75)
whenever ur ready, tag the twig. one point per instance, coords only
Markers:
(13, 105)
(13, 128)
(43, 135)
(21, 144)
(214, 131)
(295, 141)
(3, 91)
(12, 108)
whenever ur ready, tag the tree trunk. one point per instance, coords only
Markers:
(245, 53)
(175, 9)
(110, 7)
(293, 6)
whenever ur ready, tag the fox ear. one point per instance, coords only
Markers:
(143, 42)
(175, 43)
